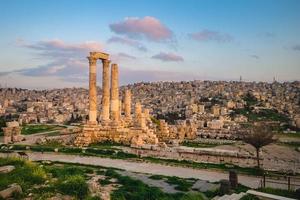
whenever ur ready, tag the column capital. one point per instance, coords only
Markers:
(105, 62)
(92, 60)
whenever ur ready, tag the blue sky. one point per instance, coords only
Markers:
(44, 43)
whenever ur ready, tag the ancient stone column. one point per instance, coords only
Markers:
(142, 121)
(120, 108)
(127, 104)
(92, 91)
(147, 114)
(115, 114)
(138, 114)
(105, 90)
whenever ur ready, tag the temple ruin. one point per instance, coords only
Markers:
(112, 126)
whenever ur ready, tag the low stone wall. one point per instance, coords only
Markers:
(203, 155)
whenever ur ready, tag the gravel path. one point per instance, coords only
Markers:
(143, 167)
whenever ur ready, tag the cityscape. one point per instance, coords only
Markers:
(150, 107)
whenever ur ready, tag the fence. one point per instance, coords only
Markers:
(281, 182)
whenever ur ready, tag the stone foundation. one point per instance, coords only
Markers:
(125, 135)
(12, 133)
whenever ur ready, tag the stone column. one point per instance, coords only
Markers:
(120, 108)
(147, 114)
(115, 114)
(105, 90)
(127, 104)
(138, 114)
(92, 91)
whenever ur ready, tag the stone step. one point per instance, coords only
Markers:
(267, 196)
(224, 197)
(233, 196)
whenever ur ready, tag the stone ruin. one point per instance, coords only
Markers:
(12, 132)
(134, 130)
(184, 129)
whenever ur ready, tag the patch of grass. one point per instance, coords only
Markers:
(74, 185)
(192, 196)
(197, 144)
(249, 197)
(290, 135)
(262, 115)
(137, 190)
(65, 171)
(280, 192)
(291, 143)
(40, 128)
(181, 184)
(54, 133)
(105, 181)
(26, 173)
(107, 145)
(157, 177)
(211, 193)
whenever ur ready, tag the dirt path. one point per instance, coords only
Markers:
(151, 168)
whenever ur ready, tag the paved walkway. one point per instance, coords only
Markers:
(143, 167)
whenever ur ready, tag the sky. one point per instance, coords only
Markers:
(44, 43)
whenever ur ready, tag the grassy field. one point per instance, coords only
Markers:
(40, 128)
(44, 180)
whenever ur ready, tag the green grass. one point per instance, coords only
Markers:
(106, 145)
(74, 185)
(137, 190)
(291, 143)
(105, 181)
(26, 173)
(262, 115)
(249, 197)
(289, 135)
(69, 179)
(180, 184)
(198, 144)
(157, 177)
(32, 129)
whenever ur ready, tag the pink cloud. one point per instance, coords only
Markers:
(147, 27)
(127, 41)
(58, 48)
(168, 57)
(208, 35)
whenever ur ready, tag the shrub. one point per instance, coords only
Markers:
(74, 185)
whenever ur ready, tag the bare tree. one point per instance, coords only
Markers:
(260, 135)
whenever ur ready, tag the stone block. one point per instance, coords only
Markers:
(12, 124)
(6, 169)
(8, 192)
